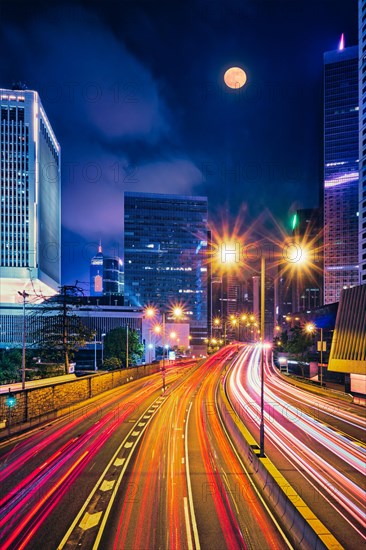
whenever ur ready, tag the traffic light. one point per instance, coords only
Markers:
(11, 400)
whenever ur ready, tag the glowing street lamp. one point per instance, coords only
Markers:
(177, 312)
(311, 328)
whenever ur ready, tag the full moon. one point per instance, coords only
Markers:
(235, 77)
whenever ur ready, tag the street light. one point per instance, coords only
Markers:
(261, 428)
(103, 334)
(95, 351)
(177, 312)
(24, 295)
(311, 328)
(217, 323)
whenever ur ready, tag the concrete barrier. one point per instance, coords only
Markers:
(33, 404)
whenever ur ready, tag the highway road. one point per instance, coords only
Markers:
(317, 442)
(180, 499)
(46, 475)
(135, 468)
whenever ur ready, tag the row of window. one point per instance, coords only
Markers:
(12, 114)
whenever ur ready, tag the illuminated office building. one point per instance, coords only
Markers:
(165, 243)
(341, 178)
(106, 275)
(30, 198)
(362, 140)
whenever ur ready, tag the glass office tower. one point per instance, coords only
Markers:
(106, 275)
(362, 122)
(165, 243)
(30, 197)
(341, 266)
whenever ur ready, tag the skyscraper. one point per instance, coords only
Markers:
(165, 243)
(362, 140)
(30, 197)
(341, 200)
(106, 275)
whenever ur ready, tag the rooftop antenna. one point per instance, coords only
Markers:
(341, 43)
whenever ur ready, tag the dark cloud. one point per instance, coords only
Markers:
(134, 93)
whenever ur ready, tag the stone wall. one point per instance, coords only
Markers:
(36, 404)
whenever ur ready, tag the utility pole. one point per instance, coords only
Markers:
(64, 327)
(263, 294)
(24, 295)
(126, 346)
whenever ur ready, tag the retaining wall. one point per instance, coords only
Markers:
(32, 404)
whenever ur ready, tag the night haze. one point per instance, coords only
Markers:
(135, 94)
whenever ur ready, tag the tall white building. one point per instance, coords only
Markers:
(30, 198)
(362, 140)
(341, 187)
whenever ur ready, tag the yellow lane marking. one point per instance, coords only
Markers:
(90, 520)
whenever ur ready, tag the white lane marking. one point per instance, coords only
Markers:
(114, 460)
(90, 520)
(128, 444)
(140, 424)
(189, 486)
(182, 459)
(188, 525)
(135, 433)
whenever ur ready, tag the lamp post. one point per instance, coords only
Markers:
(164, 344)
(126, 346)
(311, 328)
(103, 334)
(24, 295)
(95, 351)
(261, 428)
(177, 312)
(321, 356)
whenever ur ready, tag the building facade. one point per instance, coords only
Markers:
(348, 351)
(165, 243)
(30, 198)
(341, 178)
(362, 140)
(106, 275)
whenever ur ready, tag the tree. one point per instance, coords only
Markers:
(10, 366)
(299, 341)
(61, 332)
(112, 363)
(115, 345)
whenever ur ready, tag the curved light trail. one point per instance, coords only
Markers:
(336, 471)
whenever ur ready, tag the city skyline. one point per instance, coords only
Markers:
(143, 125)
(182, 274)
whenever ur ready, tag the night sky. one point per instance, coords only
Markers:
(135, 95)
